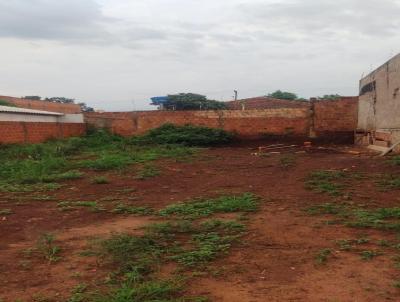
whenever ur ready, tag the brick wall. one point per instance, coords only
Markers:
(331, 119)
(24, 132)
(336, 117)
(42, 105)
(247, 124)
(264, 102)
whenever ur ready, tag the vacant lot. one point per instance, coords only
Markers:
(102, 219)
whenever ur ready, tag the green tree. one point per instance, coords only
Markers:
(283, 95)
(6, 103)
(33, 97)
(192, 101)
(330, 97)
(63, 100)
(60, 100)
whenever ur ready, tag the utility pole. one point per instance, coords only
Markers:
(236, 94)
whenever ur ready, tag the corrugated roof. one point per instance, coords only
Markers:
(9, 109)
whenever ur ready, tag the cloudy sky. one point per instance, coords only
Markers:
(115, 54)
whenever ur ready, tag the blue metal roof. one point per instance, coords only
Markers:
(159, 100)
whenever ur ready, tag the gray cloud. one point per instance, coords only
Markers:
(52, 20)
(108, 52)
(326, 17)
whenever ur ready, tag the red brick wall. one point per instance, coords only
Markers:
(42, 105)
(338, 116)
(247, 124)
(324, 118)
(24, 132)
(264, 102)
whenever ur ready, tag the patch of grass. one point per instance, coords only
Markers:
(287, 161)
(348, 244)
(78, 293)
(207, 247)
(390, 182)
(126, 209)
(72, 205)
(19, 188)
(155, 290)
(322, 256)
(47, 248)
(326, 182)
(381, 218)
(100, 180)
(369, 255)
(148, 171)
(139, 256)
(345, 244)
(108, 162)
(326, 208)
(27, 168)
(395, 160)
(6, 212)
(206, 207)
(188, 135)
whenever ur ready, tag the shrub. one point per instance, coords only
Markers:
(186, 135)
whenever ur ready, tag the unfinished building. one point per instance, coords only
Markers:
(379, 107)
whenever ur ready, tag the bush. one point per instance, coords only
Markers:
(186, 135)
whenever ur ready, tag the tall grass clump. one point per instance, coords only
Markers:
(188, 135)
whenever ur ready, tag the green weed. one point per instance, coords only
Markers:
(126, 209)
(186, 135)
(381, 218)
(326, 182)
(369, 255)
(148, 171)
(108, 162)
(287, 161)
(6, 212)
(100, 180)
(395, 160)
(322, 256)
(205, 207)
(390, 182)
(47, 248)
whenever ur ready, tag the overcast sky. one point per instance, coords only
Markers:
(115, 54)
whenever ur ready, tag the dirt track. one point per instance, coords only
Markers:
(276, 260)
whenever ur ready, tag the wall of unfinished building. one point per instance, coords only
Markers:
(379, 105)
(332, 119)
(379, 101)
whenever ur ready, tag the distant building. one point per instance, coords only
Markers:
(159, 101)
(379, 106)
(264, 102)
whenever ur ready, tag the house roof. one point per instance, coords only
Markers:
(8, 109)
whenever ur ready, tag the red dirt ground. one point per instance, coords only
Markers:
(275, 262)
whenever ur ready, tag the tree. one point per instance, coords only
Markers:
(191, 101)
(63, 100)
(330, 97)
(33, 97)
(60, 100)
(283, 95)
(85, 108)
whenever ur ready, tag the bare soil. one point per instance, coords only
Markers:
(275, 260)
